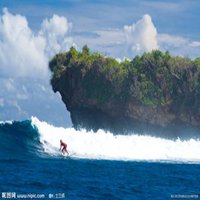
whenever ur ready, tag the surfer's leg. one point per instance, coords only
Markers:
(66, 151)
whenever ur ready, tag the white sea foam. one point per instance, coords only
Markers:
(6, 122)
(102, 145)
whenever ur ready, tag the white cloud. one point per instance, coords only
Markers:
(171, 40)
(127, 41)
(57, 26)
(55, 31)
(195, 44)
(9, 85)
(110, 37)
(178, 45)
(134, 39)
(25, 53)
(21, 52)
(142, 36)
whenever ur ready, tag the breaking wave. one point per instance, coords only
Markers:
(36, 138)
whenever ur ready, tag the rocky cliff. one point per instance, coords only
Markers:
(154, 93)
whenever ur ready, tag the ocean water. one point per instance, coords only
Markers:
(101, 166)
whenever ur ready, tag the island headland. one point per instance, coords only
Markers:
(154, 93)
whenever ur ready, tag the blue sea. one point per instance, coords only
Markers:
(101, 165)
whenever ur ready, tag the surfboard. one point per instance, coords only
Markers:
(64, 154)
(71, 155)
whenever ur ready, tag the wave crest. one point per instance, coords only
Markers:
(34, 138)
(105, 145)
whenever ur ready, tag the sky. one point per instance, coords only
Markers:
(32, 32)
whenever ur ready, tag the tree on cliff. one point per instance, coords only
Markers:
(155, 80)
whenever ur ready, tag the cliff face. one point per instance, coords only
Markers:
(152, 92)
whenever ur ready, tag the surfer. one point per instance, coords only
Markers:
(64, 147)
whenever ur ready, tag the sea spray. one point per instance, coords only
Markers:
(105, 145)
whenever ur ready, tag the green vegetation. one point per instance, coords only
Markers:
(153, 79)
